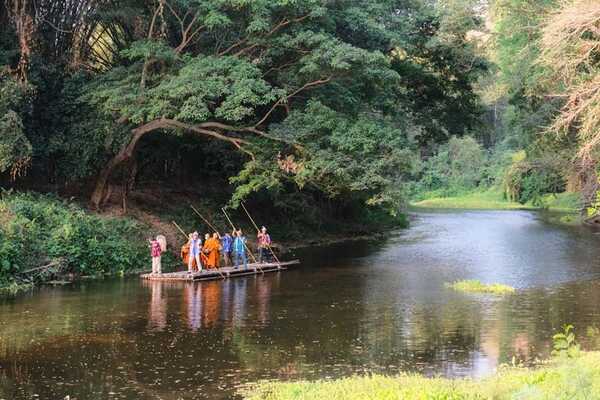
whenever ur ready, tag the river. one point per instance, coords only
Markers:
(355, 308)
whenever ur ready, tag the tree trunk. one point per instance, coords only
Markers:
(129, 182)
(127, 150)
(107, 194)
(24, 28)
(123, 155)
(98, 193)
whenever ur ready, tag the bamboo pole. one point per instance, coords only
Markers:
(180, 230)
(211, 227)
(205, 220)
(258, 230)
(245, 245)
(233, 226)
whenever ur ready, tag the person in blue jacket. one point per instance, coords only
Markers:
(239, 249)
(226, 246)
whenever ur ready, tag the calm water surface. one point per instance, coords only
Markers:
(357, 308)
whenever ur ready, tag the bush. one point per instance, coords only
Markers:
(456, 168)
(528, 181)
(39, 229)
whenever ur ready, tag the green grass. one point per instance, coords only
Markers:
(490, 199)
(493, 199)
(475, 286)
(570, 202)
(561, 378)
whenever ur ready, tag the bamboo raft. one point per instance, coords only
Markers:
(221, 273)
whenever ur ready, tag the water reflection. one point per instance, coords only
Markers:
(157, 318)
(357, 308)
(234, 301)
(193, 303)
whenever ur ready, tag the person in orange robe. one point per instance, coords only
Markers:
(212, 249)
(203, 254)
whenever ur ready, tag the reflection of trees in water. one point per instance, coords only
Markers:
(307, 330)
(440, 337)
(248, 331)
(48, 312)
(168, 362)
(534, 315)
(477, 333)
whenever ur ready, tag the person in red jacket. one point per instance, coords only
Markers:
(264, 245)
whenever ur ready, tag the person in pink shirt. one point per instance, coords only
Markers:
(264, 244)
(156, 250)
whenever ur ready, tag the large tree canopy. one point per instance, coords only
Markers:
(332, 96)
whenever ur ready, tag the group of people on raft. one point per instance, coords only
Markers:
(198, 255)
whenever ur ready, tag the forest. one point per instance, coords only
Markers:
(326, 117)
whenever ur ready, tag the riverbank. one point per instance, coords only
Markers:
(559, 378)
(494, 199)
(46, 238)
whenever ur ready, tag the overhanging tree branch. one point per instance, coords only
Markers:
(126, 152)
(281, 24)
(294, 93)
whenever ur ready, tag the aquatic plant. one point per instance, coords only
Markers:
(476, 286)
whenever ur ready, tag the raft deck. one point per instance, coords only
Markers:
(221, 273)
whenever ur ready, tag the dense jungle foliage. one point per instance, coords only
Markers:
(541, 100)
(351, 108)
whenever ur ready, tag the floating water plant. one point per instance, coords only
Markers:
(475, 286)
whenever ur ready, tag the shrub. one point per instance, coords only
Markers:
(528, 180)
(41, 229)
(456, 168)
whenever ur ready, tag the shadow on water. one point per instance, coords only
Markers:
(359, 307)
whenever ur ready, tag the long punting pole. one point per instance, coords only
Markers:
(180, 230)
(245, 245)
(205, 220)
(211, 227)
(258, 230)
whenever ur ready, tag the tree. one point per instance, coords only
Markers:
(270, 56)
(326, 96)
(15, 148)
(439, 67)
(514, 50)
(570, 47)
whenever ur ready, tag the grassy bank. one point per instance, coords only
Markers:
(494, 199)
(478, 200)
(44, 238)
(560, 378)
